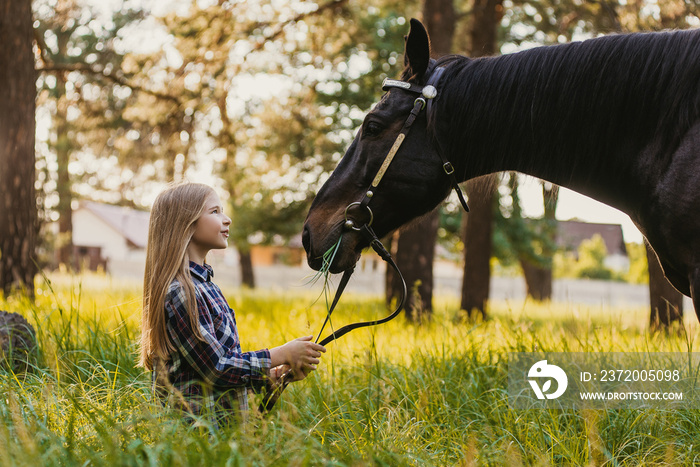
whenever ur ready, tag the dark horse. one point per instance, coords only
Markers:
(616, 118)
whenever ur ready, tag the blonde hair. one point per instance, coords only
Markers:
(171, 226)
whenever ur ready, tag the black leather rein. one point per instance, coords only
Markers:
(426, 94)
(275, 390)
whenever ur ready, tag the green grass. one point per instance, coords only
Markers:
(391, 395)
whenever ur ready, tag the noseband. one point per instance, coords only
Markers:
(425, 96)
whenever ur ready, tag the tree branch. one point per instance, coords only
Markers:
(85, 68)
(299, 17)
(50, 67)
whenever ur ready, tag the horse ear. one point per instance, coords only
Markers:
(417, 53)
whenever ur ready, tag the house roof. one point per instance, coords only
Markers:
(570, 234)
(130, 223)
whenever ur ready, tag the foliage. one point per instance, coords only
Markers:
(294, 140)
(588, 262)
(323, 62)
(82, 96)
(393, 395)
(133, 114)
(591, 259)
(517, 238)
(449, 229)
(553, 21)
(135, 111)
(639, 267)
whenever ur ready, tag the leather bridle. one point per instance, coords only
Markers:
(425, 96)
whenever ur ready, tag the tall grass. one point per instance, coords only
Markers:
(392, 395)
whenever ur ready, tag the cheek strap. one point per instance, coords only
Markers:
(447, 166)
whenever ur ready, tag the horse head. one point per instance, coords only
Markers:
(411, 186)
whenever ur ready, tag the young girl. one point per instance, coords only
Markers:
(189, 334)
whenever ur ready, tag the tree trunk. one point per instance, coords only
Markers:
(415, 245)
(63, 149)
(478, 233)
(246, 265)
(415, 250)
(439, 19)
(538, 279)
(486, 16)
(17, 129)
(666, 301)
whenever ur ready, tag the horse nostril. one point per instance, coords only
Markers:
(306, 238)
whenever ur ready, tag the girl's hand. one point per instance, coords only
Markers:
(301, 355)
(277, 372)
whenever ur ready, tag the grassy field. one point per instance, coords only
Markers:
(397, 394)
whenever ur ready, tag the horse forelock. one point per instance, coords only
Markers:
(408, 76)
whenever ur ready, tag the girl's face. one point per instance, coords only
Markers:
(211, 229)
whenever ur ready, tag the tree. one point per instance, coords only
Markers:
(530, 242)
(325, 60)
(82, 92)
(414, 253)
(478, 238)
(591, 259)
(486, 17)
(17, 128)
(284, 136)
(666, 302)
(538, 273)
(60, 27)
(414, 245)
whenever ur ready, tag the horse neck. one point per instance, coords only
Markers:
(556, 116)
(542, 147)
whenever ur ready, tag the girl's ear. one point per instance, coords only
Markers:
(416, 56)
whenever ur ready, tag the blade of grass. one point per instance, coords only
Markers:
(325, 271)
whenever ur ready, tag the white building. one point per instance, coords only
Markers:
(113, 237)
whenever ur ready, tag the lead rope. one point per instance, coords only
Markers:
(275, 390)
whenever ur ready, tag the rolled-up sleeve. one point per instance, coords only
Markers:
(217, 358)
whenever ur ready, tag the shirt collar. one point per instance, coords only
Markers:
(203, 273)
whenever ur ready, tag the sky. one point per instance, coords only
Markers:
(575, 205)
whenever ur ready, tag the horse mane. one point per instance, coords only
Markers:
(609, 97)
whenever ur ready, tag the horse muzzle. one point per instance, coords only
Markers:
(317, 243)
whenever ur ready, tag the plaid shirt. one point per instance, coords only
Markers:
(212, 375)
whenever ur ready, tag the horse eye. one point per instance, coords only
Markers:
(372, 129)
